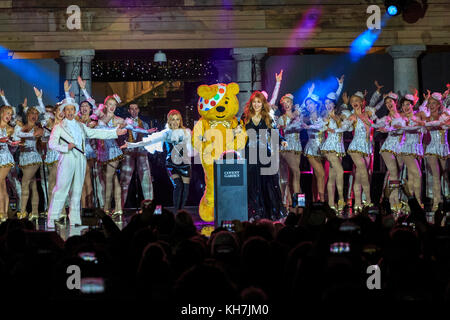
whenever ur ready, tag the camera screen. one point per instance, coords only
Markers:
(88, 256)
(301, 200)
(158, 209)
(92, 285)
(228, 225)
(340, 247)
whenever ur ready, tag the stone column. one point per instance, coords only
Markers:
(78, 63)
(246, 59)
(405, 66)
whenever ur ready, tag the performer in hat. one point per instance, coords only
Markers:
(391, 147)
(289, 123)
(68, 138)
(361, 147)
(411, 150)
(437, 151)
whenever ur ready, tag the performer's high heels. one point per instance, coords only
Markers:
(435, 207)
(367, 204)
(21, 215)
(339, 214)
(33, 216)
(341, 205)
(117, 213)
(3, 217)
(357, 209)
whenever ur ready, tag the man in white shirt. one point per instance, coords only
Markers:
(136, 159)
(72, 160)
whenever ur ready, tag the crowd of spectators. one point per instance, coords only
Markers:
(160, 258)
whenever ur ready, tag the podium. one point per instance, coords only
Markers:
(230, 190)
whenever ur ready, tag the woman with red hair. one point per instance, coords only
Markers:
(264, 194)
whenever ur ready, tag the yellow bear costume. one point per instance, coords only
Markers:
(217, 131)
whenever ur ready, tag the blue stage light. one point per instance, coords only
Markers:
(392, 10)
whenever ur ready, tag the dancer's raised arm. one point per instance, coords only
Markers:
(82, 84)
(40, 107)
(276, 90)
(340, 86)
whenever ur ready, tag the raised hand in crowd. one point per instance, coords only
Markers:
(345, 98)
(37, 92)
(67, 86)
(379, 87)
(279, 76)
(81, 83)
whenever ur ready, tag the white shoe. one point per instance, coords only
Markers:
(50, 224)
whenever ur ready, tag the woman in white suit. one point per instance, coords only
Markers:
(72, 160)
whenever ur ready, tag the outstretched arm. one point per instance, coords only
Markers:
(102, 134)
(157, 137)
(130, 126)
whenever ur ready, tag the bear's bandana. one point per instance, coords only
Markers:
(207, 104)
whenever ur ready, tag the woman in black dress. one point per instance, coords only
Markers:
(264, 194)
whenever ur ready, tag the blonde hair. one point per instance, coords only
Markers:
(170, 115)
(31, 110)
(441, 105)
(5, 108)
(363, 101)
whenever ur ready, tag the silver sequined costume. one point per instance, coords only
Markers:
(6, 158)
(438, 145)
(412, 145)
(394, 139)
(29, 155)
(334, 142)
(292, 137)
(360, 143)
(108, 150)
(315, 138)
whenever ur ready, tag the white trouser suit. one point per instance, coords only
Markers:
(71, 169)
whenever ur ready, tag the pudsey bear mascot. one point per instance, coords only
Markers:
(218, 130)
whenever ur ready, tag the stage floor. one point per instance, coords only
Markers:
(66, 231)
(205, 228)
